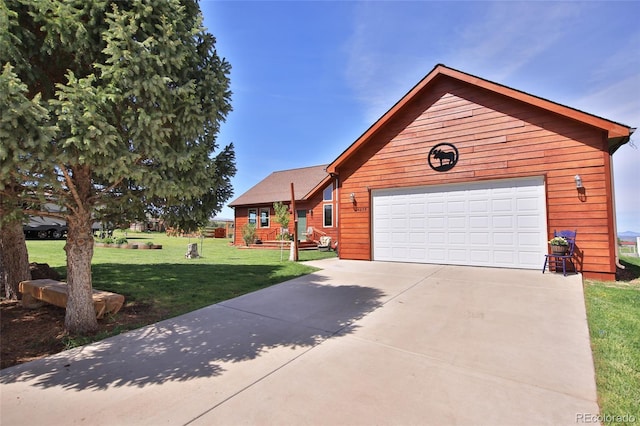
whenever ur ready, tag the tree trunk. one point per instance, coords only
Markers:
(80, 316)
(14, 259)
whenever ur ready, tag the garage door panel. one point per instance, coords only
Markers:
(502, 206)
(528, 222)
(417, 209)
(457, 238)
(382, 238)
(478, 206)
(399, 237)
(528, 239)
(398, 224)
(417, 222)
(503, 257)
(529, 258)
(417, 253)
(454, 223)
(436, 208)
(435, 223)
(398, 209)
(527, 205)
(417, 238)
(478, 222)
(400, 252)
(437, 255)
(502, 222)
(498, 223)
(504, 238)
(454, 207)
(458, 256)
(479, 238)
(477, 256)
(435, 237)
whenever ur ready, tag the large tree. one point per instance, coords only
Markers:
(136, 93)
(25, 120)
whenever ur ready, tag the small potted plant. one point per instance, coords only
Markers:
(559, 245)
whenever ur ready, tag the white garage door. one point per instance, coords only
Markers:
(497, 223)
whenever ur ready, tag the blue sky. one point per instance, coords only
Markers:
(308, 78)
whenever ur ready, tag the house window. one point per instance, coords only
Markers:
(327, 194)
(328, 215)
(264, 218)
(253, 214)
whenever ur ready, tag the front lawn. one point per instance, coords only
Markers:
(613, 311)
(172, 284)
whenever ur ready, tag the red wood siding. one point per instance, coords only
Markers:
(313, 205)
(497, 137)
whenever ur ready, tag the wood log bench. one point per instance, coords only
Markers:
(35, 292)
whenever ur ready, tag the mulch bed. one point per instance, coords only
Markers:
(29, 334)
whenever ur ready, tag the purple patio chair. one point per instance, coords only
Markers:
(556, 259)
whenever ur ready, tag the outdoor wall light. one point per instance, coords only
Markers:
(578, 180)
(352, 197)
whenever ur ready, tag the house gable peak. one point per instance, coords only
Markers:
(618, 134)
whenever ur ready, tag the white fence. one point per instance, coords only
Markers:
(630, 249)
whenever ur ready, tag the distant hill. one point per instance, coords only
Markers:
(628, 234)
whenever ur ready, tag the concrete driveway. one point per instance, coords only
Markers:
(356, 343)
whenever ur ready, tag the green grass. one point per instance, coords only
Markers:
(613, 312)
(172, 284)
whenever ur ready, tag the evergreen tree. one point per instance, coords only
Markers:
(136, 93)
(24, 120)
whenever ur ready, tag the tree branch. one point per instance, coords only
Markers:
(72, 187)
(106, 190)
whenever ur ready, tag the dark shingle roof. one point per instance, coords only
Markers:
(277, 186)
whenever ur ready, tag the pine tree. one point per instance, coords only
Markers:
(136, 93)
(25, 121)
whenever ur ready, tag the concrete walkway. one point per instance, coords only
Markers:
(356, 343)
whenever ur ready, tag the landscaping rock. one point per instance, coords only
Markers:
(192, 251)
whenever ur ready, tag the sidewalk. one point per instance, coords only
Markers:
(355, 343)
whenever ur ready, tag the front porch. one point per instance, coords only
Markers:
(279, 244)
(269, 240)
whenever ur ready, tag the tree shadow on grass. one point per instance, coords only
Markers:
(296, 314)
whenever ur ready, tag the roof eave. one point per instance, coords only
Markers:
(317, 188)
(615, 143)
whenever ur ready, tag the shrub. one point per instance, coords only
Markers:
(249, 233)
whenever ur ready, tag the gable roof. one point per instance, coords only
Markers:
(277, 186)
(618, 134)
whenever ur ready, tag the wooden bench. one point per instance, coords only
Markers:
(35, 292)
